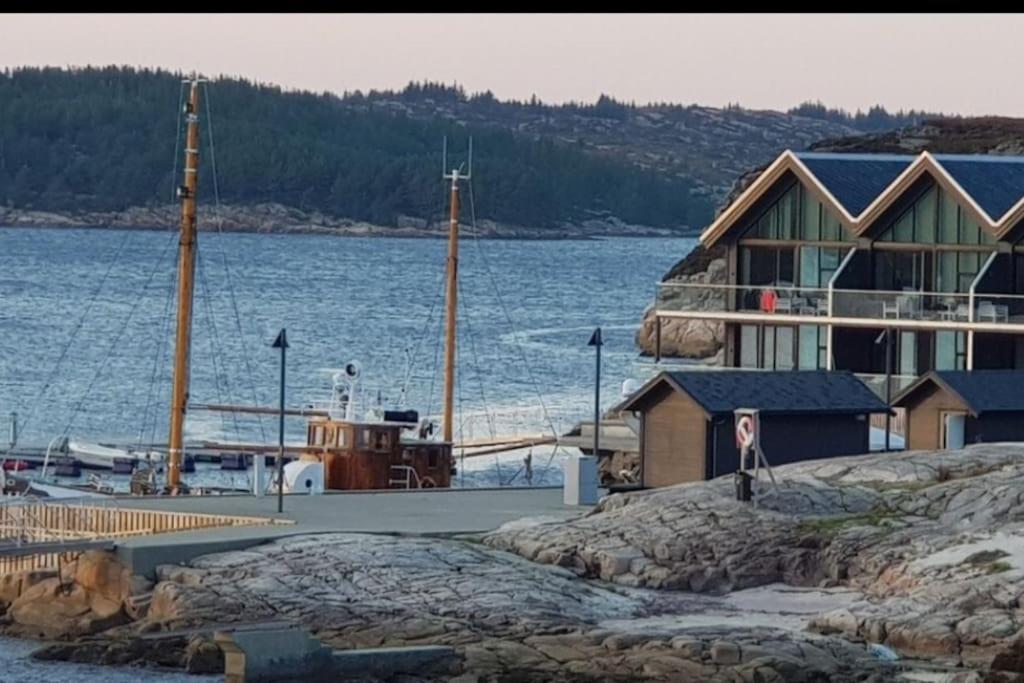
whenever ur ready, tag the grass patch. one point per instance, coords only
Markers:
(998, 567)
(830, 526)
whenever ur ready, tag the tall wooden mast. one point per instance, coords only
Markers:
(186, 278)
(451, 305)
(452, 290)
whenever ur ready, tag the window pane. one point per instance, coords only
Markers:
(947, 281)
(948, 213)
(787, 214)
(830, 228)
(908, 353)
(945, 350)
(784, 348)
(786, 266)
(748, 346)
(809, 347)
(903, 231)
(968, 230)
(811, 216)
(809, 267)
(925, 216)
(769, 347)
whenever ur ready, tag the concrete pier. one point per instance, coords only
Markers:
(439, 512)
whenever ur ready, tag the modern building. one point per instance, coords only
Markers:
(687, 430)
(950, 409)
(826, 251)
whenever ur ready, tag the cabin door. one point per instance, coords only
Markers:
(952, 425)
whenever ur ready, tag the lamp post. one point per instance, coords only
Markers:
(281, 343)
(597, 342)
(887, 333)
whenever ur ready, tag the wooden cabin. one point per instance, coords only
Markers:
(951, 408)
(687, 430)
(373, 455)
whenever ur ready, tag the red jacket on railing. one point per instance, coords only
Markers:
(768, 299)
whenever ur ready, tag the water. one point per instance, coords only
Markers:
(17, 667)
(86, 329)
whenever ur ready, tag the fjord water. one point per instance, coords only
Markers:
(86, 327)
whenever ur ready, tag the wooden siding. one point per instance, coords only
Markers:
(923, 418)
(673, 441)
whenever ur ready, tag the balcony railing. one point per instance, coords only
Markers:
(983, 309)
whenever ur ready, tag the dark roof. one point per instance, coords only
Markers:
(996, 183)
(981, 391)
(855, 180)
(794, 391)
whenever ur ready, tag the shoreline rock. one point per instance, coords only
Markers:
(280, 219)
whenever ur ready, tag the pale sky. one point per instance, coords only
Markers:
(967, 64)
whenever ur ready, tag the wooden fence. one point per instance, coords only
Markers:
(26, 525)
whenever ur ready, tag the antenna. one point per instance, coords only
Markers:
(456, 174)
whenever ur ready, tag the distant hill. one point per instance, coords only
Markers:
(102, 140)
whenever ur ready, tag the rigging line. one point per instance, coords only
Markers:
(423, 334)
(224, 259)
(508, 317)
(177, 142)
(117, 338)
(433, 374)
(515, 333)
(161, 342)
(163, 350)
(411, 359)
(489, 418)
(125, 240)
(215, 349)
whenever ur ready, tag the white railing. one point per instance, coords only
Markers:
(814, 302)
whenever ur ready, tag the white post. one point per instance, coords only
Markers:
(258, 464)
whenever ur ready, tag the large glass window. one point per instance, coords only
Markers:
(950, 350)
(771, 347)
(798, 215)
(936, 217)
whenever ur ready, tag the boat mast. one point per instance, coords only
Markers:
(452, 292)
(186, 276)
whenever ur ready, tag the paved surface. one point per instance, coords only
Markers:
(434, 512)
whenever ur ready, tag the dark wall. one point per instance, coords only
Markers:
(855, 350)
(791, 438)
(993, 351)
(992, 427)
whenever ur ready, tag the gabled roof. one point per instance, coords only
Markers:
(858, 188)
(780, 392)
(855, 180)
(981, 391)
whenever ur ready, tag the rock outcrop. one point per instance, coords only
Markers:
(508, 618)
(934, 542)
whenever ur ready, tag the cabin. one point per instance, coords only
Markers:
(950, 409)
(687, 430)
(374, 455)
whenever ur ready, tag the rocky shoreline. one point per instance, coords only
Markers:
(280, 219)
(920, 554)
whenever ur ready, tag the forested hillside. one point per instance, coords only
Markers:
(103, 140)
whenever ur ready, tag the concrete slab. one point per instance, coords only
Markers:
(430, 512)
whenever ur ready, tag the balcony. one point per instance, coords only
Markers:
(975, 312)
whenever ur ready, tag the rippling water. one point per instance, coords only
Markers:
(86, 327)
(17, 667)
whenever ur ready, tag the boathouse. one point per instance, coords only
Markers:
(687, 430)
(950, 409)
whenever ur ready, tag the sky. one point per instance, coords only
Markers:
(950, 63)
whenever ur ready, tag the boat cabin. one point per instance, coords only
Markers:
(373, 455)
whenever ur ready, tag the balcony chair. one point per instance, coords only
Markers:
(990, 311)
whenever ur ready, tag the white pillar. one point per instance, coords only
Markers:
(258, 463)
